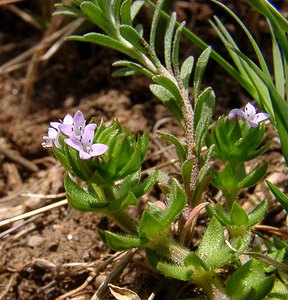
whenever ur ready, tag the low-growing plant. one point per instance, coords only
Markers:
(104, 166)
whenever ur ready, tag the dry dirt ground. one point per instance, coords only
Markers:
(54, 252)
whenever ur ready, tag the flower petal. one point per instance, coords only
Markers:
(84, 155)
(236, 113)
(261, 117)
(250, 110)
(79, 122)
(66, 129)
(47, 142)
(98, 149)
(55, 124)
(252, 123)
(74, 144)
(88, 135)
(68, 119)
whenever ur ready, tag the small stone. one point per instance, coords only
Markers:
(69, 237)
(35, 241)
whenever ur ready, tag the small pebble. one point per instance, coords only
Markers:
(35, 241)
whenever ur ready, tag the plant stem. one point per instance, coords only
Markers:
(123, 220)
(210, 284)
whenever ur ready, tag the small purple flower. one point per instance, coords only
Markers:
(52, 137)
(85, 145)
(74, 127)
(54, 132)
(249, 114)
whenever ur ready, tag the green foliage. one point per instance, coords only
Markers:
(250, 281)
(280, 196)
(212, 248)
(81, 200)
(115, 181)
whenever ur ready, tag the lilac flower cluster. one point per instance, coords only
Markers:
(79, 136)
(249, 114)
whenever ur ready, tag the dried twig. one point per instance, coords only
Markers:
(8, 286)
(5, 2)
(19, 159)
(115, 273)
(33, 213)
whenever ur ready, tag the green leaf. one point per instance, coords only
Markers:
(219, 213)
(258, 213)
(125, 12)
(154, 24)
(208, 163)
(186, 70)
(171, 86)
(100, 39)
(179, 146)
(250, 37)
(250, 282)
(186, 171)
(67, 10)
(204, 105)
(239, 216)
(253, 177)
(132, 36)
(145, 186)
(175, 271)
(175, 52)
(127, 184)
(212, 248)
(192, 259)
(204, 122)
(96, 15)
(168, 99)
(74, 163)
(132, 166)
(124, 72)
(150, 227)
(135, 8)
(142, 144)
(199, 70)
(132, 66)
(119, 242)
(175, 203)
(280, 196)
(62, 159)
(79, 199)
(130, 199)
(168, 42)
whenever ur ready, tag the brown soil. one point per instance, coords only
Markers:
(57, 254)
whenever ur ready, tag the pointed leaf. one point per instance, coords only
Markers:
(79, 199)
(212, 248)
(180, 146)
(253, 177)
(149, 226)
(171, 86)
(95, 14)
(175, 204)
(186, 70)
(258, 213)
(239, 216)
(199, 70)
(175, 271)
(126, 12)
(168, 99)
(250, 282)
(133, 66)
(168, 42)
(135, 8)
(119, 242)
(280, 196)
